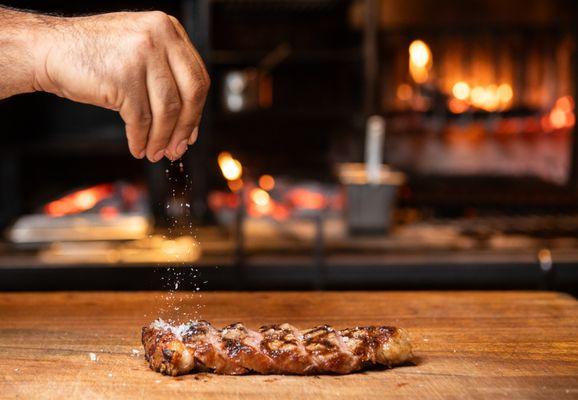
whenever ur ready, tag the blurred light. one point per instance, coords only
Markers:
(79, 201)
(307, 199)
(457, 106)
(236, 82)
(562, 115)
(108, 212)
(557, 118)
(505, 94)
(230, 168)
(404, 92)
(419, 54)
(492, 100)
(420, 61)
(235, 185)
(267, 182)
(235, 102)
(565, 104)
(259, 197)
(461, 90)
(478, 96)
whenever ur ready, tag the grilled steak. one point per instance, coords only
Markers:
(274, 349)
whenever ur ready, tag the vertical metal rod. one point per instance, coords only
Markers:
(370, 55)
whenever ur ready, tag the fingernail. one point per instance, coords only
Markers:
(159, 154)
(141, 155)
(194, 135)
(182, 147)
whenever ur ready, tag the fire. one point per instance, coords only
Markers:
(307, 199)
(505, 94)
(404, 92)
(235, 185)
(457, 106)
(230, 168)
(561, 116)
(461, 90)
(260, 197)
(267, 182)
(261, 201)
(420, 61)
(79, 201)
(490, 98)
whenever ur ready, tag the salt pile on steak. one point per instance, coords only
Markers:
(273, 349)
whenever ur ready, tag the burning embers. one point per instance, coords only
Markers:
(106, 199)
(108, 211)
(269, 197)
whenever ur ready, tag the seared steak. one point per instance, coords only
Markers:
(274, 349)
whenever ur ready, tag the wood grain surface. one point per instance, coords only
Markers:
(490, 345)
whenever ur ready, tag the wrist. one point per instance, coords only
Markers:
(42, 37)
(19, 51)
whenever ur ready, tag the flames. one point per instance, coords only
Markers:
(79, 201)
(265, 197)
(561, 116)
(489, 98)
(231, 168)
(420, 61)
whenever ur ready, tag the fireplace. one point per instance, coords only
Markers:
(475, 103)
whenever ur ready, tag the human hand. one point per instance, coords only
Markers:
(141, 64)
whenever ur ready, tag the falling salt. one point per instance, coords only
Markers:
(110, 374)
(93, 357)
(135, 352)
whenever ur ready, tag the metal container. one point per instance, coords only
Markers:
(369, 205)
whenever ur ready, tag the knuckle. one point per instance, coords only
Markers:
(174, 20)
(171, 109)
(160, 20)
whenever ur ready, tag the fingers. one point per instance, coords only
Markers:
(199, 87)
(162, 116)
(165, 104)
(192, 91)
(136, 113)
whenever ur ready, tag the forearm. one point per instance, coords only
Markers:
(19, 36)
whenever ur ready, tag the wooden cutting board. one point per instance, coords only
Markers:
(490, 345)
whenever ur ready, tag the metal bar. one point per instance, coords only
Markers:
(370, 55)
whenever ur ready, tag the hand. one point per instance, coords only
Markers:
(141, 64)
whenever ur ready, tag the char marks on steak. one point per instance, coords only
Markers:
(274, 349)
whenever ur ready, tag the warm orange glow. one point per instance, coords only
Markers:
(108, 212)
(565, 104)
(478, 96)
(261, 201)
(235, 185)
(562, 115)
(230, 168)
(303, 198)
(79, 201)
(420, 61)
(404, 92)
(419, 54)
(461, 90)
(267, 182)
(259, 197)
(505, 94)
(457, 106)
(486, 98)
